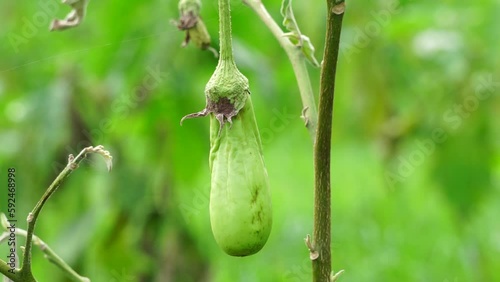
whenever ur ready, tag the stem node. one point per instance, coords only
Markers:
(339, 8)
(313, 254)
(30, 217)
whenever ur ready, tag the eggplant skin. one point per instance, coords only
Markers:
(240, 197)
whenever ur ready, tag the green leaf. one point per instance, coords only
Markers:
(288, 17)
(294, 34)
(308, 50)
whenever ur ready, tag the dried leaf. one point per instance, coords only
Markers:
(106, 154)
(74, 18)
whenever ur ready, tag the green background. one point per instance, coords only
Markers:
(415, 149)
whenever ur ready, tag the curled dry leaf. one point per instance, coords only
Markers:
(74, 18)
(106, 154)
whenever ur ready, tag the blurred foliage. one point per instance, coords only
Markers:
(407, 205)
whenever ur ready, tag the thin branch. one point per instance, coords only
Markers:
(5, 270)
(226, 44)
(322, 203)
(50, 255)
(25, 271)
(298, 61)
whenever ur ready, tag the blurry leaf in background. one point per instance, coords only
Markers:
(463, 163)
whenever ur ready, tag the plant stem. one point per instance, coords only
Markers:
(4, 269)
(25, 273)
(33, 216)
(322, 147)
(59, 262)
(298, 64)
(226, 45)
(51, 256)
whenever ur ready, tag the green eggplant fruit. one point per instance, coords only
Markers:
(240, 198)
